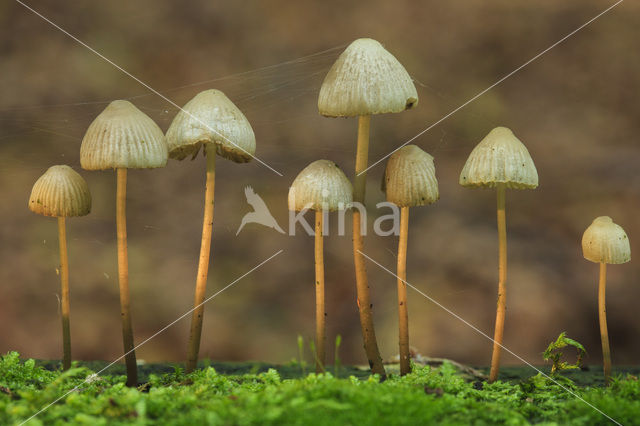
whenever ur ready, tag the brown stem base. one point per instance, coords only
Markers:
(64, 289)
(403, 313)
(203, 263)
(501, 308)
(320, 309)
(123, 279)
(604, 333)
(365, 307)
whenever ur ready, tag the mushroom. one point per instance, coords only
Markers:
(212, 122)
(123, 137)
(366, 79)
(409, 180)
(323, 187)
(605, 242)
(500, 161)
(61, 192)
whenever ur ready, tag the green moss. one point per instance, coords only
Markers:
(426, 396)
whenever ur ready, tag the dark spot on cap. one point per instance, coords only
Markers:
(410, 103)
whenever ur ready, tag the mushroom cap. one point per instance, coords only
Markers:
(366, 79)
(605, 242)
(410, 178)
(60, 192)
(210, 117)
(122, 136)
(320, 185)
(500, 158)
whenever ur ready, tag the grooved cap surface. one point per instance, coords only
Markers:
(60, 192)
(366, 79)
(320, 185)
(500, 158)
(211, 118)
(122, 136)
(410, 178)
(605, 242)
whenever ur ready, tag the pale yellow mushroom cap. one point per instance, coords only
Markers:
(211, 117)
(410, 178)
(122, 136)
(320, 185)
(366, 79)
(60, 192)
(500, 158)
(605, 242)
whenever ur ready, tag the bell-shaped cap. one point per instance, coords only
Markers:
(210, 117)
(500, 158)
(320, 186)
(410, 178)
(122, 136)
(60, 192)
(605, 242)
(366, 79)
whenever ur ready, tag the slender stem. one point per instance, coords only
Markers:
(502, 285)
(64, 285)
(403, 314)
(320, 310)
(203, 263)
(604, 334)
(123, 278)
(365, 307)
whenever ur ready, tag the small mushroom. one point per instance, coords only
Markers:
(409, 180)
(323, 187)
(61, 192)
(123, 137)
(366, 79)
(212, 122)
(500, 161)
(605, 242)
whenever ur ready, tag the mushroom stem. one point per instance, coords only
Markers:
(502, 284)
(362, 286)
(403, 315)
(604, 334)
(203, 263)
(320, 311)
(123, 278)
(64, 289)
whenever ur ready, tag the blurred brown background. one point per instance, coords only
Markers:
(576, 109)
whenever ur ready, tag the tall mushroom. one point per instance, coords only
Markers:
(366, 79)
(212, 122)
(500, 161)
(61, 192)
(605, 242)
(123, 137)
(409, 180)
(323, 187)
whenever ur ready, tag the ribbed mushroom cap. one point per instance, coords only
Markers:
(122, 136)
(320, 185)
(500, 158)
(410, 178)
(605, 242)
(366, 79)
(60, 192)
(211, 117)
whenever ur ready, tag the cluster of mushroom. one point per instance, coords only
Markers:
(366, 79)
(122, 137)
